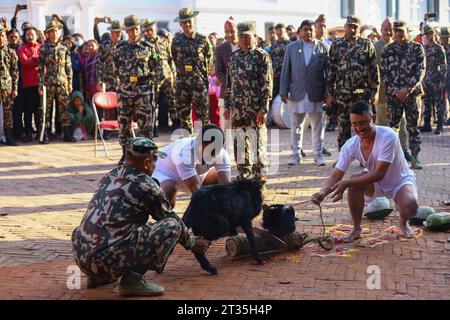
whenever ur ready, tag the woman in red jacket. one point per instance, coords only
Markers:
(29, 58)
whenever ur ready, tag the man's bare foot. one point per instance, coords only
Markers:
(406, 229)
(353, 235)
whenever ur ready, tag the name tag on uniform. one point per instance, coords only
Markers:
(133, 79)
(188, 68)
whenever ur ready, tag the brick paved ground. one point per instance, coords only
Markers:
(44, 190)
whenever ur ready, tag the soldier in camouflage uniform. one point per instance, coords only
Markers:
(434, 83)
(165, 68)
(403, 70)
(193, 56)
(247, 97)
(277, 55)
(444, 35)
(104, 61)
(352, 76)
(9, 81)
(134, 64)
(115, 239)
(55, 73)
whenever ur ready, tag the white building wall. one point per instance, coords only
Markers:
(213, 13)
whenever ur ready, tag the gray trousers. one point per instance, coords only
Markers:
(297, 130)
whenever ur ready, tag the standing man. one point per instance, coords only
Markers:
(303, 88)
(165, 69)
(103, 67)
(55, 73)
(321, 30)
(9, 82)
(434, 83)
(277, 55)
(134, 63)
(381, 106)
(247, 98)
(403, 70)
(223, 56)
(193, 56)
(444, 35)
(352, 76)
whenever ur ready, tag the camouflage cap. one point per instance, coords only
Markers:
(116, 25)
(53, 25)
(353, 20)
(186, 14)
(143, 148)
(131, 21)
(400, 25)
(427, 29)
(444, 32)
(148, 23)
(246, 28)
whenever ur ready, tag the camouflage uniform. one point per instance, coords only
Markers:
(434, 83)
(277, 55)
(404, 67)
(352, 76)
(193, 59)
(134, 65)
(249, 90)
(55, 73)
(9, 81)
(103, 69)
(114, 236)
(165, 73)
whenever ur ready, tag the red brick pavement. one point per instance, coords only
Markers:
(44, 190)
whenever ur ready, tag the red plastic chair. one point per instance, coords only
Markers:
(106, 100)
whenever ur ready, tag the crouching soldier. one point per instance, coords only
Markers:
(114, 239)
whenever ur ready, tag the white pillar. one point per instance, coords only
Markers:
(87, 16)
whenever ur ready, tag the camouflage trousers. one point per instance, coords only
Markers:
(190, 91)
(410, 107)
(5, 96)
(60, 96)
(250, 152)
(434, 101)
(147, 248)
(344, 126)
(166, 89)
(139, 108)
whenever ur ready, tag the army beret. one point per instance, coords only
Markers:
(353, 20)
(280, 26)
(427, 28)
(143, 148)
(400, 25)
(246, 28)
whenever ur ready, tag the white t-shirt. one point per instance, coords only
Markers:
(386, 148)
(181, 162)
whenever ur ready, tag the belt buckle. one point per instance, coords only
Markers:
(359, 91)
(188, 68)
(133, 79)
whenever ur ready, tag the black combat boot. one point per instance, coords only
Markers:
(10, 140)
(426, 127)
(68, 137)
(45, 138)
(122, 159)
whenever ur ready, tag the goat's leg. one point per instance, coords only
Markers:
(204, 263)
(247, 226)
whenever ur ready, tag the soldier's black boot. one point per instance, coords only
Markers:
(439, 129)
(10, 140)
(68, 137)
(426, 127)
(122, 159)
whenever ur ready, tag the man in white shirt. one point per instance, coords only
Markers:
(194, 162)
(387, 173)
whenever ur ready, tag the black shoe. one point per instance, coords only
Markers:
(447, 122)
(106, 135)
(68, 137)
(330, 127)
(407, 156)
(27, 138)
(10, 140)
(325, 152)
(122, 159)
(439, 130)
(426, 128)
(303, 153)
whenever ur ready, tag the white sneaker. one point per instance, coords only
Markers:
(295, 160)
(320, 161)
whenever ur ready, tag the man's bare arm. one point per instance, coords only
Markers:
(335, 176)
(193, 183)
